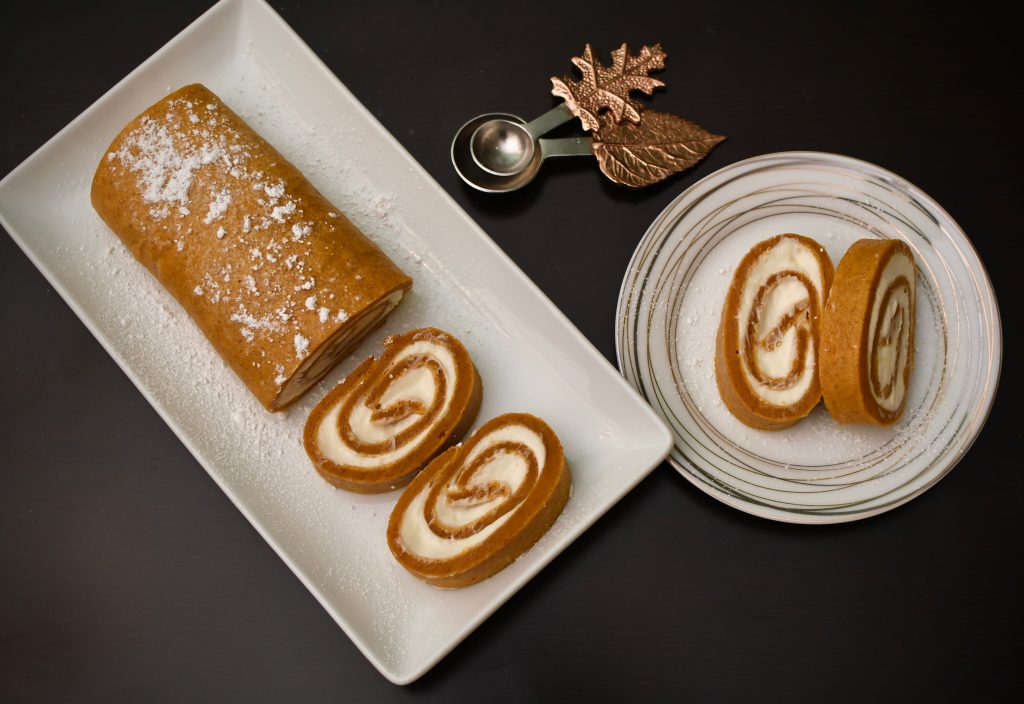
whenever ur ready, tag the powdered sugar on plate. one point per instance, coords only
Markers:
(338, 537)
(530, 358)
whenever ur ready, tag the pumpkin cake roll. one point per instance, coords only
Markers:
(480, 505)
(279, 281)
(868, 333)
(766, 361)
(380, 426)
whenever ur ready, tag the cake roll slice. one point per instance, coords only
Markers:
(278, 280)
(380, 426)
(480, 505)
(867, 333)
(766, 361)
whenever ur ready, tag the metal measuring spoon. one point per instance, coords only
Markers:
(491, 179)
(504, 147)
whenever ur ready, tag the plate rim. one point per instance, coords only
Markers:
(995, 334)
(661, 436)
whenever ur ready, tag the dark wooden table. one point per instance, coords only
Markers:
(126, 575)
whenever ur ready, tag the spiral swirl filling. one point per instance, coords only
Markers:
(468, 500)
(388, 416)
(889, 333)
(764, 340)
(778, 310)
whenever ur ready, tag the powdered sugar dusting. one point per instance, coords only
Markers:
(219, 203)
(165, 171)
(275, 191)
(250, 324)
(279, 212)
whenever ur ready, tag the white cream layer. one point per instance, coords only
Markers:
(787, 254)
(415, 385)
(417, 537)
(889, 356)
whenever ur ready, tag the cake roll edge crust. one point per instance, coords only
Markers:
(846, 330)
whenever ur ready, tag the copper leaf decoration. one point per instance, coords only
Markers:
(661, 145)
(609, 88)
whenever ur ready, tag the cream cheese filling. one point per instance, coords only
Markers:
(788, 254)
(890, 355)
(509, 469)
(414, 385)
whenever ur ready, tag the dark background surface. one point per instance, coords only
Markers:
(126, 574)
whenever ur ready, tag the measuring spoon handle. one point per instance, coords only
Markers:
(548, 121)
(566, 146)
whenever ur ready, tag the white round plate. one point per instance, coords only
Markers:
(816, 471)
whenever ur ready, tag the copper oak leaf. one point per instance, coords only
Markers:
(661, 145)
(609, 88)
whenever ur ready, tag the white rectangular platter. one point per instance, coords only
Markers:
(529, 355)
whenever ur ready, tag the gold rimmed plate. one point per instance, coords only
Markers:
(817, 471)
